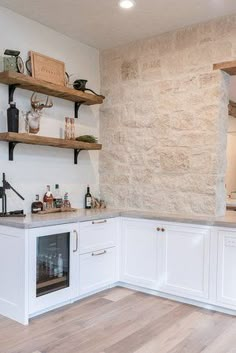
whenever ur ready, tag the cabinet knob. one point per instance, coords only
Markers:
(163, 229)
(158, 229)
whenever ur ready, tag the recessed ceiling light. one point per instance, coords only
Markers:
(126, 4)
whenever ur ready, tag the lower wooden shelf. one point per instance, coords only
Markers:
(15, 138)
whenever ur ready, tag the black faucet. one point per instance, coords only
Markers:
(7, 186)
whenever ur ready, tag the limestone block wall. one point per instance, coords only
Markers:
(164, 121)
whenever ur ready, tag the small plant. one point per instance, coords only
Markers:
(87, 138)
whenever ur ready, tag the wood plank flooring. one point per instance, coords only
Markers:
(120, 320)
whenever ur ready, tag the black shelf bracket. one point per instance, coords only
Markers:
(11, 147)
(77, 106)
(11, 91)
(76, 154)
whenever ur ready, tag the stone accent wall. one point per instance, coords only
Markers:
(164, 122)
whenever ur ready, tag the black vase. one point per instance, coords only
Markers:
(13, 118)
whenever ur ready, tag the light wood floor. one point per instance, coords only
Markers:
(122, 321)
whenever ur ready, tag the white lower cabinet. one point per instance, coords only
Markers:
(139, 252)
(97, 270)
(184, 253)
(226, 274)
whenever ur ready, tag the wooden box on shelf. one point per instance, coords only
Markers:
(47, 69)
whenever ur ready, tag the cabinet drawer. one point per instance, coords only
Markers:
(97, 269)
(97, 234)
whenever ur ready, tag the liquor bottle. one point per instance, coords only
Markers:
(60, 266)
(37, 205)
(13, 118)
(48, 198)
(66, 202)
(88, 198)
(57, 200)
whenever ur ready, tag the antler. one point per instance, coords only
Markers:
(37, 105)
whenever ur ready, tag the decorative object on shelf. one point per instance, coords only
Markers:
(67, 133)
(72, 128)
(12, 61)
(47, 69)
(32, 118)
(67, 79)
(87, 138)
(7, 186)
(28, 66)
(96, 203)
(80, 85)
(12, 118)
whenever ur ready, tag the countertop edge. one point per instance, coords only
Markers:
(51, 220)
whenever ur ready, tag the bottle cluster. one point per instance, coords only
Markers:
(49, 267)
(50, 200)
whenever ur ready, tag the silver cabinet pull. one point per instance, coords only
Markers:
(99, 222)
(77, 241)
(99, 253)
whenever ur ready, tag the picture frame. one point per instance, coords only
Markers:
(47, 69)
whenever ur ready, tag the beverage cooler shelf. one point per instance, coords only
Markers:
(51, 282)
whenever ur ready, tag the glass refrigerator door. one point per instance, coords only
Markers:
(53, 261)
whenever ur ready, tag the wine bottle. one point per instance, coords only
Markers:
(88, 198)
(60, 266)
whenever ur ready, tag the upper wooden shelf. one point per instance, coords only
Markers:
(50, 89)
(227, 66)
(14, 138)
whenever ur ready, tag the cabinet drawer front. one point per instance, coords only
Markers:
(98, 234)
(97, 269)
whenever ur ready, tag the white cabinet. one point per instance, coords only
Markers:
(184, 254)
(139, 245)
(98, 254)
(226, 274)
(97, 270)
(52, 284)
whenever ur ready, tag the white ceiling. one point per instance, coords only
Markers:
(102, 24)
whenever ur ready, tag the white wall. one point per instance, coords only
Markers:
(34, 166)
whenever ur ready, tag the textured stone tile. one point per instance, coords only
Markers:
(164, 121)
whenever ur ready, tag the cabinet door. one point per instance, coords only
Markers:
(185, 261)
(226, 277)
(139, 240)
(97, 270)
(53, 266)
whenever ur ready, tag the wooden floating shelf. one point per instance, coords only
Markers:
(50, 89)
(14, 138)
(227, 66)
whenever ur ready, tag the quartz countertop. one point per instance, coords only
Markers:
(36, 221)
